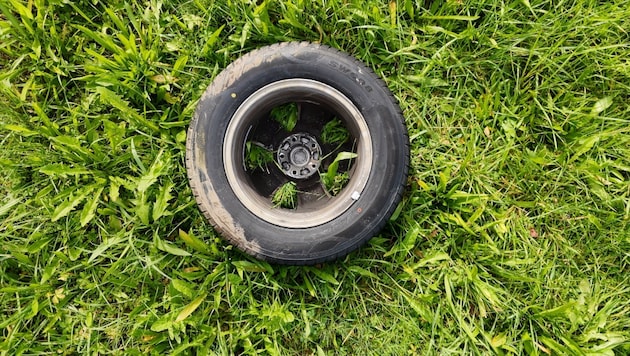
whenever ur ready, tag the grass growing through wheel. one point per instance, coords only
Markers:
(285, 196)
(257, 156)
(333, 180)
(286, 115)
(512, 237)
(334, 132)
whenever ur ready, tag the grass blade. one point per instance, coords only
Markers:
(190, 308)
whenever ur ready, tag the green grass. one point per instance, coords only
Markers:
(257, 156)
(334, 132)
(285, 196)
(332, 180)
(512, 237)
(286, 115)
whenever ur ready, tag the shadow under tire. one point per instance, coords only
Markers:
(310, 119)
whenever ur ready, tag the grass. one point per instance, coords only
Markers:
(257, 156)
(334, 132)
(512, 237)
(285, 196)
(332, 180)
(286, 115)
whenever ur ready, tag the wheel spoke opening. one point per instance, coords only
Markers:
(305, 154)
(298, 170)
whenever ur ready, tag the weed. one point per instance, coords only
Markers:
(257, 156)
(332, 180)
(285, 196)
(334, 132)
(286, 115)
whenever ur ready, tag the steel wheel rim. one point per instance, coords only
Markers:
(248, 113)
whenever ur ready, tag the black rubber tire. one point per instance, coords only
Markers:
(366, 215)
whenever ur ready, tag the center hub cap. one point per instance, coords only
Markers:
(299, 155)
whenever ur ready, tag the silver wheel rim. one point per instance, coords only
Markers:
(277, 93)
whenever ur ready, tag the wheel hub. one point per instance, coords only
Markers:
(299, 155)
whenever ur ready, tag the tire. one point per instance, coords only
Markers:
(316, 85)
